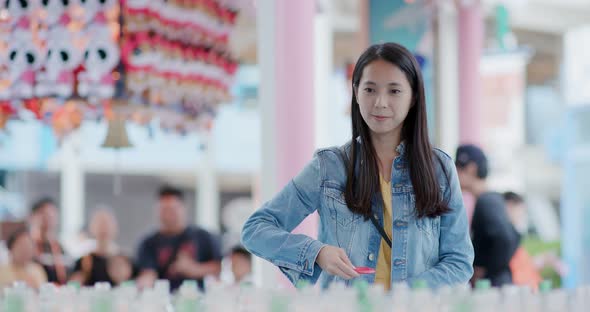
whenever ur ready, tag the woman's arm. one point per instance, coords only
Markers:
(267, 233)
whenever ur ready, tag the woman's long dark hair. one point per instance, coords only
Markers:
(362, 185)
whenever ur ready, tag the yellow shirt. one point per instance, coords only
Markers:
(32, 274)
(383, 270)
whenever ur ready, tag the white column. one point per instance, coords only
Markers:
(447, 78)
(265, 274)
(324, 59)
(207, 190)
(72, 188)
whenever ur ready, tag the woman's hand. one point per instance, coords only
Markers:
(335, 261)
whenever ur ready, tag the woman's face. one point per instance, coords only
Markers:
(384, 95)
(103, 226)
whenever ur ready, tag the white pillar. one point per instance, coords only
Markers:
(265, 274)
(207, 190)
(324, 59)
(72, 187)
(447, 89)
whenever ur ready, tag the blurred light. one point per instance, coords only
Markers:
(4, 84)
(4, 15)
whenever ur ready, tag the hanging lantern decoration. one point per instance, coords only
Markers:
(176, 58)
(176, 64)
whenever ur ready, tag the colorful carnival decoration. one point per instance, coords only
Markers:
(44, 72)
(54, 12)
(60, 60)
(25, 59)
(100, 59)
(63, 58)
(176, 59)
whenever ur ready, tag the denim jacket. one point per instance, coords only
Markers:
(437, 250)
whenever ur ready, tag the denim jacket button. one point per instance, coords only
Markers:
(371, 257)
(400, 224)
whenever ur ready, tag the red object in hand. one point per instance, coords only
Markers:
(364, 270)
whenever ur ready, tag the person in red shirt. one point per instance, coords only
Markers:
(177, 251)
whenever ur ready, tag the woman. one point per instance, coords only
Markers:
(21, 266)
(386, 185)
(99, 266)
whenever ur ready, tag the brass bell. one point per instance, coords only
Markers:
(117, 134)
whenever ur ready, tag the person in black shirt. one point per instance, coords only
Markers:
(93, 268)
(494, 237)
(49, 252)
(177, 251)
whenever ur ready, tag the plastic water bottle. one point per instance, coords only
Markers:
(68, 299)
(380, 301)
(339, 298)
(545, 286)
(556, 301)
(306, 299)
(126, 297)
(84, 298)
(102, 298)
(485, 298)
(279, 302)
(511, 298)
(422, 299)
(14, 300)
(401, 297)
(188, 298)
(221, 298)
(162, 288)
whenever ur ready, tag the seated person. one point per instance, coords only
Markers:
(93, 267)
(49, 252)
(177, 251)
(21, 266)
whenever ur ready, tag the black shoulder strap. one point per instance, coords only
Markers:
(373, 220)
(381, 230)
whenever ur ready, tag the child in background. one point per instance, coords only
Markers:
(522, 265)
(241, 265)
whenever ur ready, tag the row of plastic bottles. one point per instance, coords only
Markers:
(339, 298)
